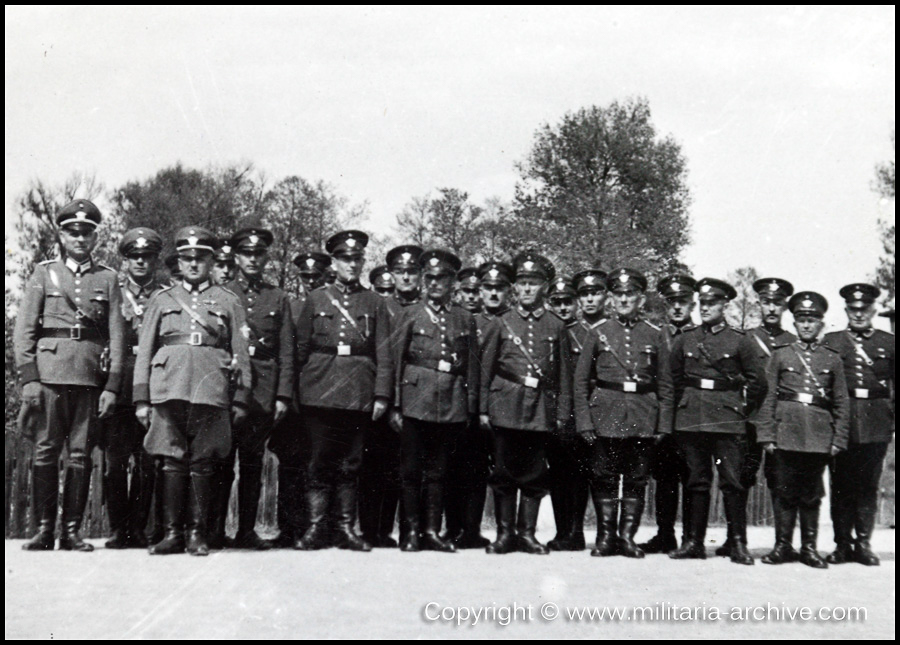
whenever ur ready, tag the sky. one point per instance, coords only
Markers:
(782, 112)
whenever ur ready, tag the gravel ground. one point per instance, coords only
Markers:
(336, 594)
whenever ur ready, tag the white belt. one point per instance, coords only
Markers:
(707, 384)
(531, 382)
(343, 350)
(804, 398)
(860, 393)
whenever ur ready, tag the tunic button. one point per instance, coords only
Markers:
(341, 334)
(78, 282)
(77, 299)
(77, 290)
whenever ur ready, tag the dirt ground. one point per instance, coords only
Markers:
(336, 594)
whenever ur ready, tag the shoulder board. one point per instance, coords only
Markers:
(688, 327)
(602, 322)
(48, 261)
(830, 348)
(737, 331)
(833, 334)
(320, 288)
(104, 266)
(650, 325)
(882, 332)
(164, 288)
(226, 290)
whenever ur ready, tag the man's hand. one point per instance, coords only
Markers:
(143, 414)
(484, 421)
(281, 409)
(835, 450)
(31, 395)
(769, 447)
(107, 403)
(379, 408)
(238, 416)
(396, 421)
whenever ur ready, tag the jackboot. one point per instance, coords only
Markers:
(140, 497)
(75, 495)
(692, 548)
(526, 542)
(115, 482)
(249, 486)
(666, 499)
(842, 520)
(736, 516)
(505, 512)
(607, 540)
(223, 478)
(791, 552)
(785, 518)
(199, 496)
(45, 499)
(430, 539)
(866, 512)
(284, 509)
(471, 537)
(345, 533)
(809, 531)
(629, 522)
(156, 504)
(317, 535)
(579, 508)
(409, 526)
(174, 486)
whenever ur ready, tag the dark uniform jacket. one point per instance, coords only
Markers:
(135, 299)
(396, 305)
(869, 367)
(436, 362)
(482, 319)
(199, 373)
(813, 424)
(671, 332)
(721, 358)
(271, 343)
(629, 362)
(58, 306)
(515, 392)
(343, 364)
(580, 332)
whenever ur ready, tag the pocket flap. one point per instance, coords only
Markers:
(47, 344)
(159, 359)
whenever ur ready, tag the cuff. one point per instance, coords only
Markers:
(28, 373)
(141, 393)
(242, 398)
(113, 382)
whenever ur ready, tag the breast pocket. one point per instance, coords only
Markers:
(169, 320)
(648, 357)
(56, 304)
(99, 305)
(219, 319)
(605, 358)
(323, 323)
(268, 322)
(421, 339)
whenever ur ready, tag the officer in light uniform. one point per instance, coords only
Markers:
(526, 393)
(70, 312)
(128, 506)
(194, 334)
(802, 424)
(667, 465)
(345, 382)
(868, 357)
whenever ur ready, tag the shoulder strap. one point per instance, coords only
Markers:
(603, 339)
(346, 314)
(518, 343)
(809, 370)
(197, 318)
(762, 344)
(860, 350)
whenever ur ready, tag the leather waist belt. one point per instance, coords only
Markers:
(528, 381)
(261, 353)
(436, 365)
(627, 386)
(865, 393)
(808, 399)
(342, 350)
(194, 338)
(72, 333)
(712, 384)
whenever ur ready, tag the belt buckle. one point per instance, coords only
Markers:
(531, 382)
(444, 366)
(196, 338)
(707, 384)
(805, 398)
(252, 350)
(343, 350)
(861, 393)
(629, 386)
(75, 333)
(134, 350)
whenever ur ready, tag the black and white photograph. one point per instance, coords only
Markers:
(450, 322)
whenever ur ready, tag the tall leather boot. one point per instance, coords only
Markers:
(692, 548)
(223, 479)
(175, 482)
(75, 495)
(736, 516)
(390, 499)
(455, 502)
(790, 551)
(345, 534)
(866, 511)
(629, 522)
(430, 539)
(607, 518)
(317, 535)
(199, 496)
(44, 499)
(505, 513)
(842, 519)
(724, 549)
(472, 513)
(666, 499)
(785, 518)
(249, 487)
(526, 542)
(809, 531)
(409, 525)
(115, 482)
(286, 510)
(685, 513)
(579, 499)
(140, 498)
(156, 505)
(561, 501)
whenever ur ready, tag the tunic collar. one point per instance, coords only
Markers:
(140, 289)
(79, 268)
(200, 288)
(534, 313)
(864, 334)
(715, 329)
(352, 287)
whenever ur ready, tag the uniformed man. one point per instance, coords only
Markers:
(667, 465)
(223, 264)
(271, 349)
(568, 454)
(469, 290)
(329, 275)
(171, 263)
(289, 440)
(382, 280)
(802, 424)
(526, 393)
(71, 311)
(773, 294)
(403, 262)
(436, 394)
(561, 298)
(128, 506)
(194, 334)
(868, 357)
(712, 366)
(345, 382)
(627, 361)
